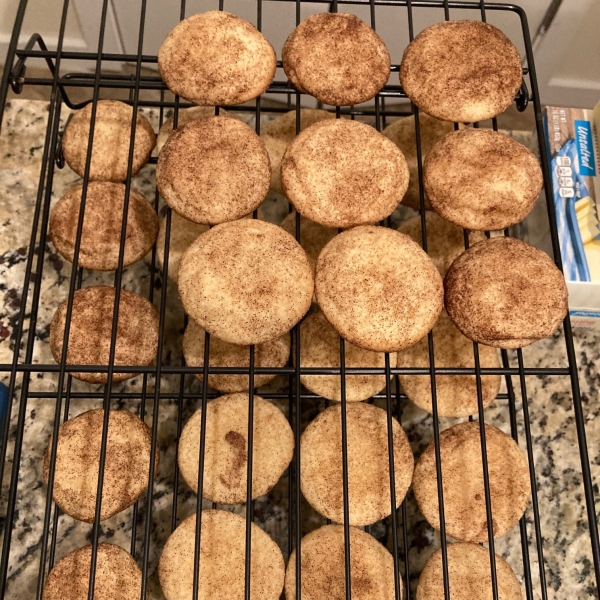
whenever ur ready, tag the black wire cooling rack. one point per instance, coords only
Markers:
(23, 368)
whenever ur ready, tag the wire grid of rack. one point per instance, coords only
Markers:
(23, 368)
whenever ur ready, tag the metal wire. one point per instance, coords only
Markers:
(22, 366)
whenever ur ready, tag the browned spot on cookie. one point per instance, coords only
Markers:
(238, 443)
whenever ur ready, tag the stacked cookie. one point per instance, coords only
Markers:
(245, 284)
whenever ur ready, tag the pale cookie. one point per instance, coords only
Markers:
(403, 133)
(102, 224)
(91, 330)
(343, 173)
(118, 576)
(378, 288)
(456, 394)
(320, 347)
(278, 133)
(226, 450)
(78, 463)
(462, 71)
(213, 170)
(181, 235)
(184, 116)
(481, 179)
(216, 58)
(313, 237)
(112, 134)
(323, 573)
(505, 293)
(337, 58)
(223, 354)
(368, 463)
(445, 241)
(222, 560)
(462, 477)
(246, 282)
(469, 575)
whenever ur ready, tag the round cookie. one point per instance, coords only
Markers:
(78, 463)
(213, 170)
(368, 463)
(183, 232)
(505, 293)
(222, 560)
(184, 116)
(343, 173)
(462, 71)
(91, 328)
(469, 575)
(216, 58)
(337, 58)
(456, 394)
(378, 289)
(112, 134)
(278, 133)
(223, 354)
(323, 567)
(481, 179)
(445, 241)
(313, 236)
(102, 223)
(403, 133)
(118, 576)
(320, 347)
(254, 269)
(462, 477)
(226, 450)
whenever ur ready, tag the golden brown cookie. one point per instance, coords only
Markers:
(320, 347)
(445, 241)
(463, 71)
(481, 179)
(184, 116)
(226, 450)
(224, 354)
(313, 237)
(278, 134)
(403, 133)
(378, 288)
(456, 394)
(181, 235)
(337, 58)
(117, 575)
(112, 134)
(368, 463)
(469, 575)
(246, 282)
(323, 567)
(222, 560)
(78, 463)
(505, 293)
(343, 173)
(216, 58)
(102, 223)
(91, 329)
(462, 477)
(213, 170)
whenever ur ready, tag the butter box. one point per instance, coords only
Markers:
(572, 146)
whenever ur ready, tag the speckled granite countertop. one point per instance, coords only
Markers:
(567, 552)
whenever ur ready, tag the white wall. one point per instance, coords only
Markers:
(581, 60)
(42, 16)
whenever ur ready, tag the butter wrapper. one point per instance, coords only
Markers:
(572, 144)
